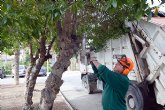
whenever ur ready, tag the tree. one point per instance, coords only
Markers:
(91, 18)
(35, 28)
(65, 23)
(10, 30)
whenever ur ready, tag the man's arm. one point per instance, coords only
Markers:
(96, 63)
(94, 68)
(115, 80)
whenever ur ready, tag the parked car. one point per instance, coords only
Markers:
(2, 73)
(42, 72)
(22, 71)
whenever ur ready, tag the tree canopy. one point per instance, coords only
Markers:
(100, 20)
(40, 23)
(23, 22)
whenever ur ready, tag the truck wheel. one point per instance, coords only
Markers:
(2, 76)
(85, 84)
(134, 98)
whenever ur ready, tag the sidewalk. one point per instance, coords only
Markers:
(12, 98)
(73, 91)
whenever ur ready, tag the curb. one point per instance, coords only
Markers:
(67, 102)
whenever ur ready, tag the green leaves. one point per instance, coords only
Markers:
(105, 19)
(93, 2)
(20, 24)
(100, 19)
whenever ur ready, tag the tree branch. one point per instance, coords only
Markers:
(59, 28)
(74, 23)
(68, 20)
(42, 46)
(32, 59)
(37, 54)
(30, 51)
(49, 47)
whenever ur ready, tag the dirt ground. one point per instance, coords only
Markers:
(12, 98)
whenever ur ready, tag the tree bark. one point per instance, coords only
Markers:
(16, 67)
(69, 44)
(31, 81)
(29, 69)
(30, 87)
(32, 64)
(41, 56)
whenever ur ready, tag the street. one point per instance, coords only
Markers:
(76, 95)
(71, 89)
(10, 80)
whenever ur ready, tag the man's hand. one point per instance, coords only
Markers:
(93, 56)
(88, 58)
(93, 59)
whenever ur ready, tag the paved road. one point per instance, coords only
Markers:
(10, 80)
(75, 94)
(72, 91)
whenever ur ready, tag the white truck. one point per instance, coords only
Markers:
(146, 46)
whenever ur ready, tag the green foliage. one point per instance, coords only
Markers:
(8, 69)
(24, 22)
(25, 61)
(100, 20)
(7, 65)
(10, 29)
(104, 20)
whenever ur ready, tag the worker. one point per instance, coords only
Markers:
(116, 81)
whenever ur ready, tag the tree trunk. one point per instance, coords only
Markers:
(16, 67)
(31, 80)
(69, 45)
(27, 76)
(54, 82)
(30, 87)
(32, 64)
